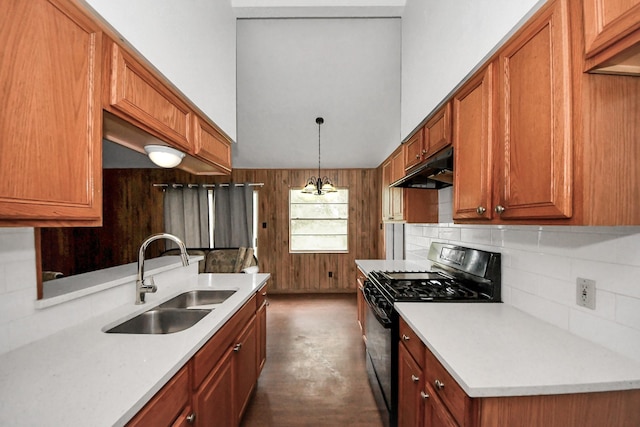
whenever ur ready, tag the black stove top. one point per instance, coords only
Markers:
(426, 286)
(463, 275)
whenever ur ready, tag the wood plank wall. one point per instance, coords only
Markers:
(133, 211)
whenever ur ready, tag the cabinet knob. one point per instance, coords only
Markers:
(417, 156)
(236, 348)
(424, 151)
(499, 209)
(191, 418)
(424, 395)
(480, 210)
(414, 378)
(439, 384)
(405, 338)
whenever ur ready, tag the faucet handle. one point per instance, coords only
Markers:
(151, 287)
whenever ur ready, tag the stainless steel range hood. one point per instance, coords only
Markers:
(437, 173)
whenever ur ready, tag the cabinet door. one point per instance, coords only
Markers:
(244, 368)
(361, 303)
(607, 21)
(435, 413)
(397, 164)
(397, 204)
(535, 120)
(213, 401)
(410, 383)
(138, 95)
(51, 120)
(167, 405)
(386, 191)
(437, 131)
(472, 141)
(211, 146)
(261, 324)
(414, 150)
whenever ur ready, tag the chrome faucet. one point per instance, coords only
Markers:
(143, 288)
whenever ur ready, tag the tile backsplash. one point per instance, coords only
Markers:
(21, 322)
(540, 266)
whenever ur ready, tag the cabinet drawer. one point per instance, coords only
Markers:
(261, 296)
(207, 357)
(167, 405)
(412, 342)
(447, 389)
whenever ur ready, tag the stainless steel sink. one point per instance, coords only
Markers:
(160, 321)
(198, 298)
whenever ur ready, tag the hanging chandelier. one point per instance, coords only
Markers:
(318, 185)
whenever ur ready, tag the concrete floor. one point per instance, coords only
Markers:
(315, 370)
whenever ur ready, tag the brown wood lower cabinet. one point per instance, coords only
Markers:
(213, 401)
(361, 303)
(428, 396)
(261, 326)
(170, 406)
(222, 374)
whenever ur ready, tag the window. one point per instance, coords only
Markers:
(318, 223)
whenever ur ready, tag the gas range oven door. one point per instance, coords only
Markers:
(380, 339)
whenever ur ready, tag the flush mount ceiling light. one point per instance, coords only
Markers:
(317, 185)
(163, 156)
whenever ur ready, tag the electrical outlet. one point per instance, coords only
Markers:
(586, 293)
(331, 274)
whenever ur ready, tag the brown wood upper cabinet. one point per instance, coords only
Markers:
(414, 149)
(405, 204)
(473, 114)
(210, 145)
(533, 143)
(437, 131)
(431, 138)
(534, 138)
(138, 96)
(612, 36)
(51, 125)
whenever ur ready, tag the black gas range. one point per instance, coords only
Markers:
(457, 274)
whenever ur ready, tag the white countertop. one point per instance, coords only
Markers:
(498, 350)
(85, 377)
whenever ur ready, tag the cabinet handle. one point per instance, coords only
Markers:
(480, 210)
(439, 384)
(191, 418)
(406, 338)
(424, 395)
(414, 378)
(499, 209)
(236, 348)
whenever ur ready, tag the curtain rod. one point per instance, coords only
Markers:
(177, 185)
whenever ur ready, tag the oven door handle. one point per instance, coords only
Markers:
(379, 314)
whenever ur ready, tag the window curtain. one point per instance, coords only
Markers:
(233, 216)
(186, 215)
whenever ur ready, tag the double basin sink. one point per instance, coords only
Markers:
(177, 314)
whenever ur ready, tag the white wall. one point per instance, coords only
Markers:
(191, 42)
(442, 41)
(291, 71)
(539, 270)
